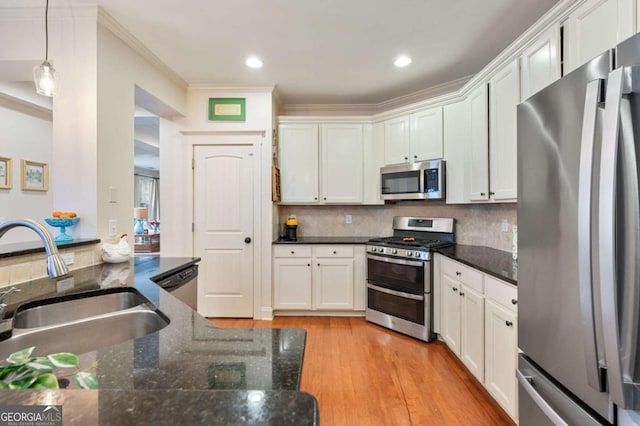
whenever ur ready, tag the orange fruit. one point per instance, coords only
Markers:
(72, 214)
(56, 214)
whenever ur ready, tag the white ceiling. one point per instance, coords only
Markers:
(326, 51)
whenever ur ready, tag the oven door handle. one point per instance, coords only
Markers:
(395, 293)
(394, 260)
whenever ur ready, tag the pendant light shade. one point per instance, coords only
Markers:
(44, 76)
(46, 79)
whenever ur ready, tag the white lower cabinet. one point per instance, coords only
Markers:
(478, 322)
(318, 277)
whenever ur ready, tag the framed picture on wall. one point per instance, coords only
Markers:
(35, 176)
(5, 173)
(227, 109)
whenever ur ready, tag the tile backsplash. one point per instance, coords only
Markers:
(18, 269)
(476, 224)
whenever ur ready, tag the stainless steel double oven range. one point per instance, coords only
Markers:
(400, 276)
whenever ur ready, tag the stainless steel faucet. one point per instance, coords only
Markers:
(55, 264)
(3, 295)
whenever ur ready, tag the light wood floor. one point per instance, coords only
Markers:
(362, 374)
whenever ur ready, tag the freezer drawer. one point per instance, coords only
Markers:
(542, 402)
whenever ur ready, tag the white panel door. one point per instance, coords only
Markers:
(292, 283)
(223, 229)
(426, 135)
(342, 163)
(333, 284)
(540, 62)
(456, 147)
(504, 97)
(396, 141)
(299, 163)
(451, 313)
(478, 176)
(472, 331)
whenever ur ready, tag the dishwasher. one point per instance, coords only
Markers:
(183, 284)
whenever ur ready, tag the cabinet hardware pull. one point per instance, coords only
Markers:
(455, 289)
(492, 193)
(514, 301)
(415, 156)
(318, 264)
(293, 252)
(334, 252)
(461, 294)
(315, 198)
(308, 264)
(406, 158)
(482, 194)
(508, 323)
(325, 198)
(458, 273)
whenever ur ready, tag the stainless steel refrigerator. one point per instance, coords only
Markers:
(579, 245)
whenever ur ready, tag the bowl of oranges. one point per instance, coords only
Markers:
(62, 220)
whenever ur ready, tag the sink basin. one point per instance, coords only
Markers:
(83, 322)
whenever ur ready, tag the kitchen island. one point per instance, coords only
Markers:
(188, 372)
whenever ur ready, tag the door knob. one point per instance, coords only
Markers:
(247, 240)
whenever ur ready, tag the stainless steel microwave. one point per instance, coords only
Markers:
(423, 180)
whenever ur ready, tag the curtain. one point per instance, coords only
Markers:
(147, 194)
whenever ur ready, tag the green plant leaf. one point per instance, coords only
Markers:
(20, 357)
(41, 365)
(45, 381)
(64, 360)
(86, 380)
(24, 383)
(3, 385)
(6, 371)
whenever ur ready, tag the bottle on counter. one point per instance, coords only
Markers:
(291, 228)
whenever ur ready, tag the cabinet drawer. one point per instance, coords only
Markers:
(291, 251)
(501, 292)
(333, 251)
(466, 275)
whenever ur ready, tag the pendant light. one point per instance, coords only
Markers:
(44, 76)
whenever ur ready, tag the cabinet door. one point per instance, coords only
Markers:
(478, 175)
(540, 62)
(504, 96)
(373, 160)
(501, 355)
(333, 284)
(292, 283)
(342, 163)
(450, 325)
(396, 141)
(456, 146)
(594, 27)
(426, 135)
(299, 163)
(472, 331)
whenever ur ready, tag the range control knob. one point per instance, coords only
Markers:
(409, 253)
(394, 251)
(417, 254)
(374, 249)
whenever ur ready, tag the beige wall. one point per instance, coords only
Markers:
(477, 224)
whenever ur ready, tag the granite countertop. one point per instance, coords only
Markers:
(20, 249)
(189, 365)
(498, 263)
(326, 240)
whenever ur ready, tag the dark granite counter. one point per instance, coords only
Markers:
(20, 249)
(498, 263)
(326, 240)
(189, 368)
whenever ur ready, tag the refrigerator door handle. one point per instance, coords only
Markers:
(526, 382)
(617, 271)
(586, 250)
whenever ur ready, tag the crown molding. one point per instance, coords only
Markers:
(110, 24)
(261, 133)
(333, 119)
(26, 107)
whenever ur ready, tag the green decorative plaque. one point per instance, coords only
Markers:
(227, 109)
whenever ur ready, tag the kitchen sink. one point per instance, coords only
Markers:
(83, 322)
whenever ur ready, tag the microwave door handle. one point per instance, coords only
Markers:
(614, 257)
(585, 241)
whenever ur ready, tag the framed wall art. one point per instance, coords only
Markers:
(6, 172)
(227, 109)
(35, 176)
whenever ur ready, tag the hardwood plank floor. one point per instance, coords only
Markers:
(362, 374)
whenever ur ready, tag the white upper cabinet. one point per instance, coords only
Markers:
(456, 146)
(415, 137)
(373, 160)
(426, 135)
(396, 140)
(540, 62)
(504, 96)
(478, 170)
(594, 27)
(299, 163)
(342, 165)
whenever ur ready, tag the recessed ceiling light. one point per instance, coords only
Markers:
(253, 62)
(402, 61)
